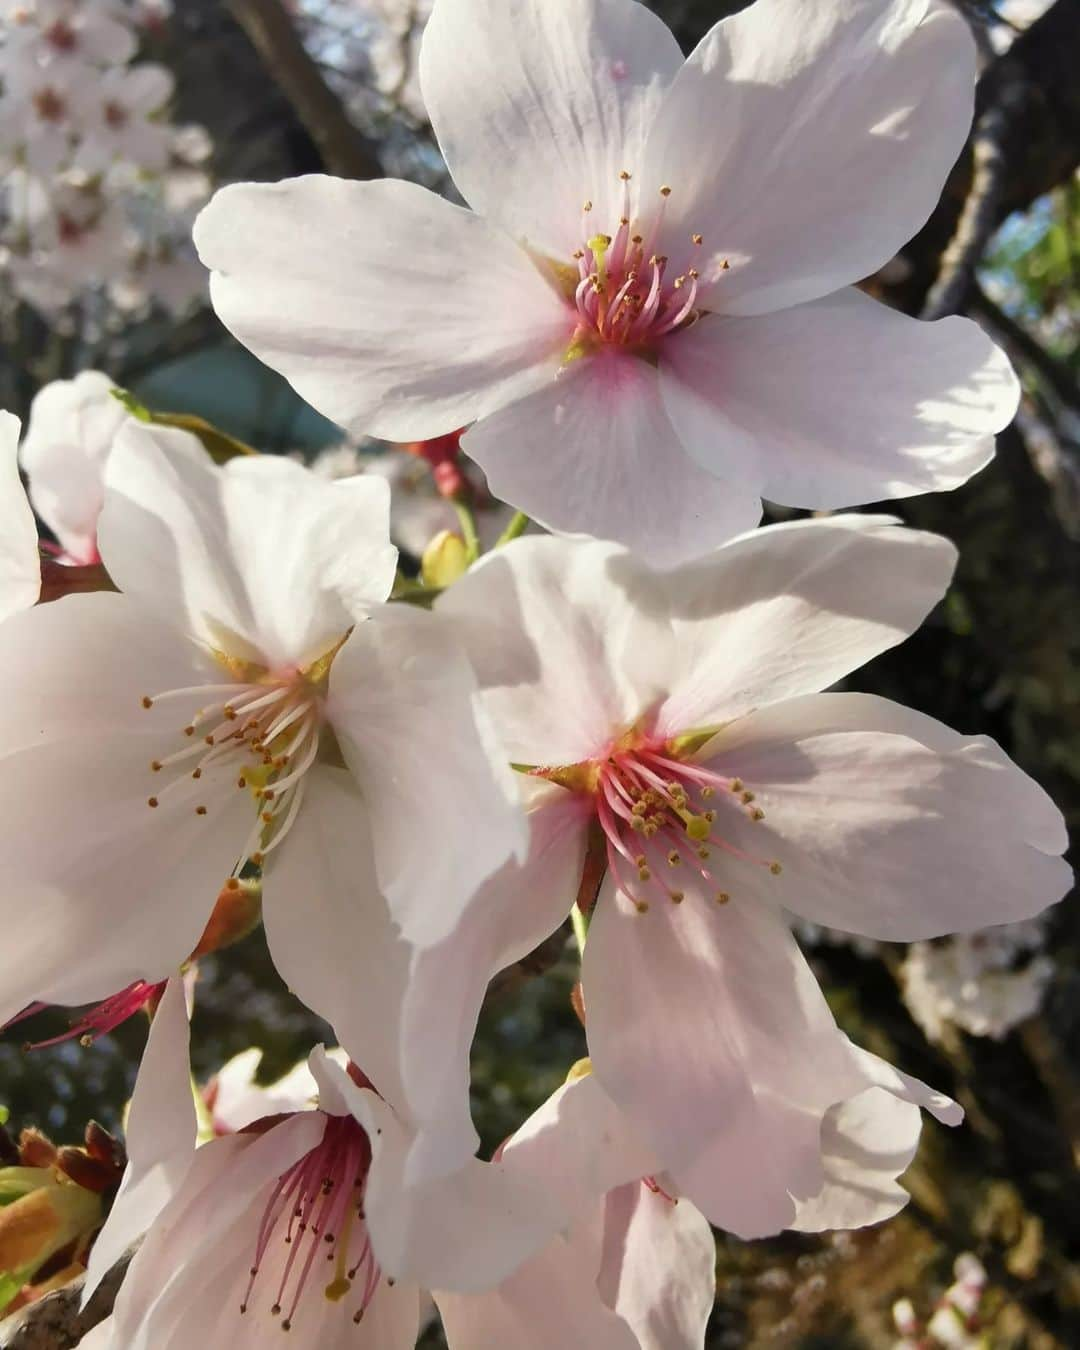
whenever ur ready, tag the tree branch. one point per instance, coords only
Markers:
(55, 1321)
(343, 148)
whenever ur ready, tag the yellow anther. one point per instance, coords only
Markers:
(748, 797)
(209, 740)
(703, 852)
(156, 765)
(189, 731)
(673, 859)
(642, 906)
(196, 773)
(736, 785)
(625, 176)
(586, 206)
(698, 239)
(650, 829)
(725, 265)
(147, 701)
(665, 191)
(710, 816)
(644, 874)
(152, 801)
(636, 823)
(775, 869)
(708, 792)
(757, 813)
(637, 239)
(200, 810)
(722, 897)
(230, 713)
(677, 897)
(641, 860)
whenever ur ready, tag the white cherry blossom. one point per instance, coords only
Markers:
(118, 127)
(680, 768)
(20, 569)
(649, 314)
(247, 699)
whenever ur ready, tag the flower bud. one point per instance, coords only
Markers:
(445, 559)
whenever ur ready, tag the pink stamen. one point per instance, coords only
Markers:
(97, 1021)
(317, 1208)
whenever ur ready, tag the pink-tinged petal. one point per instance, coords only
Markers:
(595, 452)
(552, 1300)
(866, 1143)
(443, 807)
(329, 930)
(906, 1088)
(391, 311)
(144, 88)
(659, 1267)
(886, 823)
(510, 915)
(186, 1282)
(417, 1231)
(838, 402)
(786, 610)
(549, 628)
(20, 570)
(261, 558)
(807, 140)
(707, 1027)
(555, 102)
(159, 1134)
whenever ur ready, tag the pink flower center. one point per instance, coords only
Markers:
(49, 105)
(261, 737)
(316, 1211)
(61, 35)
(101, 1018)
(626, 292)
(662, 821)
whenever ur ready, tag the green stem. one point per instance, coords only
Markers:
(468, 530)
(517, 527)
(581, 928)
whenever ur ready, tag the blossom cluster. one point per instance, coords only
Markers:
(242, 708)
(98, 188)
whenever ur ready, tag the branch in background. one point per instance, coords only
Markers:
(55, 1321)
(344, 150)
(992, 148)
(1025, 350)
(1045, 130)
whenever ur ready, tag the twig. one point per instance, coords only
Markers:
(1022, 345)
(991, 146)
(343, 148)
(55, 1322)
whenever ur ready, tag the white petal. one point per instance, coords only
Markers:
(416, 1231)
(595, 452)
(20, 571)
(402, 702)
(866, 1143)
(329, 930)
(807, 140)
(785, 610)
(906, 1088)
(659, 1269)
(554, 103)
(707, 1027)
(510, 915)
(391, 311)
(550, 627)
(261, 558)
(838, 402)
(159, 1136)
(551, 1301)
(886, 823)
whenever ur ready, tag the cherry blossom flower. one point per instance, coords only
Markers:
(20, 570)
(682, 772)
(64, 35)
(72, 428)
(204, 718)
(291, 1222)
(119, 129)
(652, 298)
(41, 113)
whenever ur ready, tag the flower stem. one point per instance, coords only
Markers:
(468, 529)
(581, 928)
(517, 527)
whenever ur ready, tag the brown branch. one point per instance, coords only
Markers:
(1024, 349)
(345, 151)
(55, 1321)
(991, 149)
(1043, 143)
